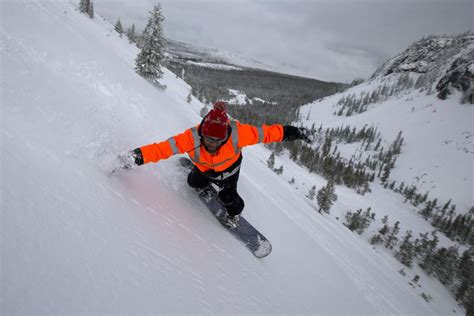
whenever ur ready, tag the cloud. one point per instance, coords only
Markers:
(334, 40)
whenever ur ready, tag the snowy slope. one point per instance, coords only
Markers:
(438, 150)
(75, 240)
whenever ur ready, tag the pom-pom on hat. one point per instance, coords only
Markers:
(216, 122)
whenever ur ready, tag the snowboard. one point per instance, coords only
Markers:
(244, 232)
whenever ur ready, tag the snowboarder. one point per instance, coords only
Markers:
(214, 146)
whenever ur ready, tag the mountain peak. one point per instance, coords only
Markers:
(446, 61)
(425, 54)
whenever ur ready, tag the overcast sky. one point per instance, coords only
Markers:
(333, 40)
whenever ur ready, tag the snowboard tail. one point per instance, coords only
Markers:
(245, 232)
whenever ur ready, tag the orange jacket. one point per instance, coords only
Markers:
(190, 142)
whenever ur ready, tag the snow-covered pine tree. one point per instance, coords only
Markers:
(90, 10)
(84, 6)
(87, 7)
(152, 56)
(427, 211)
(359, 221)
(392, 185)
(392, 239)
(386, 174)
(312, 193)
(409, 193)
(465, 288)
(118, 27)
(416, 279)
(407, 250)
(445, 208)
(426, 249)
(376, 239)
(271, 161)
(293, 148)
(327, 146)
(131, 34)
(401, 188)
(326, 196)
(445, 262)
(354, 221)
(279, 171)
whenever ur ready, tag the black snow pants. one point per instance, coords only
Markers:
(232, 201)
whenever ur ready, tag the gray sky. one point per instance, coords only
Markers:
(334, 40)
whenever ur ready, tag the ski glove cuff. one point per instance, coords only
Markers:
(294, 133)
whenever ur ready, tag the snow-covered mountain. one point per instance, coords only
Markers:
(76, 240)
(435, 164)
(438, 149)
(448, 60)
(211, 57)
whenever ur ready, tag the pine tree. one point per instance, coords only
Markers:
(359, 221)
(386, 174)
(427, 211)
(327, 146)
(409, 193)
(392, 239)
(152, 56)
(466, 229)
(407, 250)
(118, 27)
(382, 235)
(426, 250)
(445, 262)
(376, 239)
(353, 220)
(326, 196)
(90, 11)
(424, 198)
(131, 34)
(392, 185)
(465, 288)
(87, 7)
(293, 147)
(312, 193)
(84, 6)
(401, 187)
(445, 207)
(279, 171)
(397, 144)
(271, 161)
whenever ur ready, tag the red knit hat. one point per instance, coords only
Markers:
(216, 122)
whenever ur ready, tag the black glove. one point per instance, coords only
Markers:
(294, 133)
(130, 159)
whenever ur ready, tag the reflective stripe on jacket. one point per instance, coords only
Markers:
(190, 142)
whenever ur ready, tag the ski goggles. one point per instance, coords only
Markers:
(214, 140)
